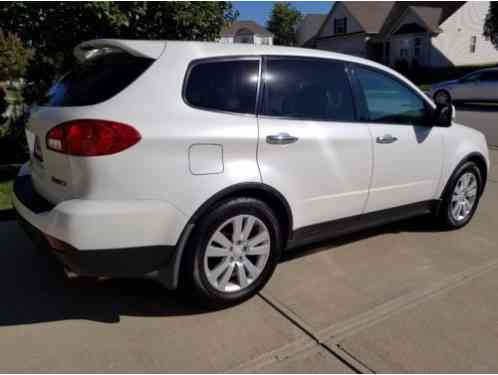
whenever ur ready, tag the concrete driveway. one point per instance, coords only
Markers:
(401, 297)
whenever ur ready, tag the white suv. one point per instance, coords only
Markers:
(197, 163)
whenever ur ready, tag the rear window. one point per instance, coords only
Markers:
(96, 80)
(223, 85)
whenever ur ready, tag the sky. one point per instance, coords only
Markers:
(260, 11)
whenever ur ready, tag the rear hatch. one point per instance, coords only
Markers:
(105, 68)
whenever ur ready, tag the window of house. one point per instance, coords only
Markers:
(389, 101)
(340, 25)
(307, 89)
(417, 47)
(473, 43)
(223, 85)
(403, 52)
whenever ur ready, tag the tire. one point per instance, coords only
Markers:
(442, 97)
(208, 253)
(450, 216)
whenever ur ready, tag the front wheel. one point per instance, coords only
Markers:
(462, 196)
(233, 252)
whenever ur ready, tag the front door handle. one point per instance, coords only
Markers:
(281, 139)
(386, 139)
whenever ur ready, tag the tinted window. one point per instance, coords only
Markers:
(471, 77)
(224, 85)
(308, 89)
(96, 80)
(489, 76)
(389, 101)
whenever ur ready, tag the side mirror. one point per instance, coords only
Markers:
(444, 115)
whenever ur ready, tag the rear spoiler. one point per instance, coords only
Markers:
(141, 48)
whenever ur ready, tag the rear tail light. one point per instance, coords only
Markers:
(91, 137)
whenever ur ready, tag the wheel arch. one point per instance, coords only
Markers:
(256, 190)
(477, 158)
(169, 276)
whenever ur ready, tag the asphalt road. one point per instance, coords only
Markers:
(481, 117)
(404, 297)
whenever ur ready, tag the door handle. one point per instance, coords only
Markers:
(386, 139)
(281, 139)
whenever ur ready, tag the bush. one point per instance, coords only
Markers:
(14, 57)
(13, 146)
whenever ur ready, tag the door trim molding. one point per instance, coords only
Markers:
(339, 227)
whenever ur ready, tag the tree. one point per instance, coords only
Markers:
(283, 23)
(53, 29)
(14, 57)
(14, 60)
(491, 24)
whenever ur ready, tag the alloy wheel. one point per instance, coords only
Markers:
(464, 196)
(237, 253)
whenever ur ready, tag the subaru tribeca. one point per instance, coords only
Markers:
(197, 164)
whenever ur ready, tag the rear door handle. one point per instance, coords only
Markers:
(386, 139)
(281, 139)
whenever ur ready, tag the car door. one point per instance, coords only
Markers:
(488, 85)
(467, 88)
(311, 148)
(408, 152)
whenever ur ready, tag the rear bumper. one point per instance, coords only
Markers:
(126, 262)
(100, 238)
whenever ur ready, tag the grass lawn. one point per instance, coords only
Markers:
(5, 189)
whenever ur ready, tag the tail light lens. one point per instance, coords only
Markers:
(91, 137)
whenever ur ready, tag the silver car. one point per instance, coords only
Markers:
(480, 86)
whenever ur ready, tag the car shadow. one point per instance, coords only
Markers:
(35, 288)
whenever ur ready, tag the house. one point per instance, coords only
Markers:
(307, 28)
(409, 33)
(246, 32)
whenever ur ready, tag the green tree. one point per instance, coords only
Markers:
(283, 22)
(491, 23)
(14, 57)
(54, 28)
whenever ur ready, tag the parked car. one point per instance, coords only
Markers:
(479, 86)
(197, 164)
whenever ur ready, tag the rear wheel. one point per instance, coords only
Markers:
(233, 252)
(462, 196)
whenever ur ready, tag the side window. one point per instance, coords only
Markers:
(389, 101)
(307, 89)
(223, 85)
(490, 76)
(472, 77)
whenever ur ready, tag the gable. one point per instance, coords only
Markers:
(339, 11)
